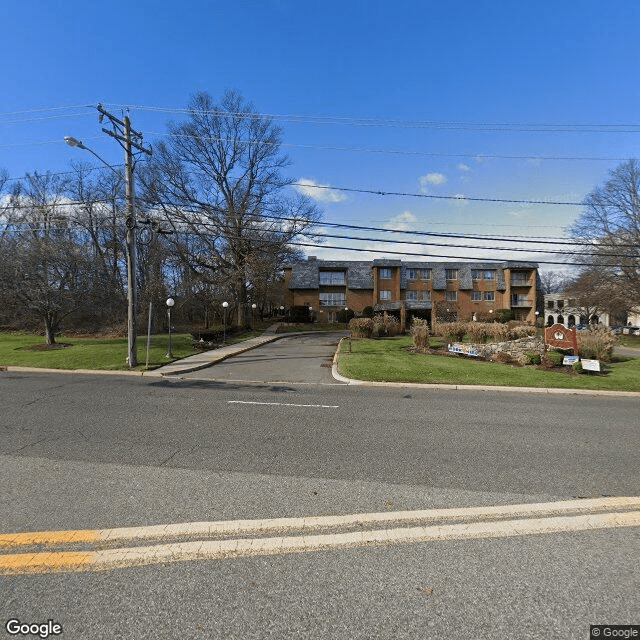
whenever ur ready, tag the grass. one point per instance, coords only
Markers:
(90, 353)
(388, 360)
(629, 341)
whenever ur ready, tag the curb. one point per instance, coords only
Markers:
(468, 387)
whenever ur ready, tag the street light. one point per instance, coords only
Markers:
(254, 306)
(224, 321)
(170, 303)
(132, 357)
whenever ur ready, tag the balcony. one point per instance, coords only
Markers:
(520, 280)
(520, 301)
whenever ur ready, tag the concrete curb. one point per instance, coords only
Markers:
(468, 387)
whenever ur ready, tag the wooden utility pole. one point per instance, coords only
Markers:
(128, 140)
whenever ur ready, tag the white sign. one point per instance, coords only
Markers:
(465, 351)
(570, 360)
(591, 365)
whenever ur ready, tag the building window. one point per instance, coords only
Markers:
(549, 304)
(451, 296)
(425, 274)
(331, 278)
(385, 273)
(476, 296)
(412, 274)
(385, 294)
(480, 274)
(489, 296)
(451, 274)
(332, 300)
(425, 296)
(560, 304)
(411, 296)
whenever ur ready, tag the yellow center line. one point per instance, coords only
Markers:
(226, 549)
(312, 523)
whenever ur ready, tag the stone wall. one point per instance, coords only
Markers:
(515, 348)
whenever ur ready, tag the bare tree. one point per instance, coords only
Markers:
(609, 228)
(51, 274)
(219, 181)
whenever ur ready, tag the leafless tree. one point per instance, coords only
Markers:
(219, 182)
(609, 227)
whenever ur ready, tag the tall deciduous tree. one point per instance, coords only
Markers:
(219, 181)
(609, 227)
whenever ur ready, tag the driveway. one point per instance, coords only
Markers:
(299, 358)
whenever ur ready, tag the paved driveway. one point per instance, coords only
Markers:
(301, 358)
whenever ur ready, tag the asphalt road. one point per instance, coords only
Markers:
(85, 452)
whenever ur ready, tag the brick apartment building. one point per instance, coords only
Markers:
(413, 288)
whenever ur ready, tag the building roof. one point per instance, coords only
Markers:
(359, 274)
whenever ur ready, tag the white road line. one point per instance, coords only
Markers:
(313, 523)
(286, 404)
(226, 549)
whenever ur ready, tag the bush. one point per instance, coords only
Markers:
(368, 312)
(553, 359)
(503, 315)
(361, 327)
(479, 332)
(532, 358)
(521, 331)
(300, 313)
(597, 343)
(385, 325)
(577, 367)
(454, 331)
(420, 333)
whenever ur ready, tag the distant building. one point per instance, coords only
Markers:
(561, 308)
(413, 288)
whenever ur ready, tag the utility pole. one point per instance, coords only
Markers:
(129, 140)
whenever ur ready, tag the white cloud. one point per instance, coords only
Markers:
(431, 179)
(464, 167)
(319, 192)
(401, 222)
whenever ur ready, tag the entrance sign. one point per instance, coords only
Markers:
(591, 365)
(560, 337)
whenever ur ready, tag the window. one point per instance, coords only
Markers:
(425, 274)
(412, 274)
(331, 277)
(480, 274)
(560, 304)
(424, 296)
(490, 296)
(549, 304)
(385, 294)
(476, 296)
(450, 296)
(385, 272)
(411, 296)
(451, 274)
(332, 300)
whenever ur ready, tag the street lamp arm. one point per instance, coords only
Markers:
(73, 142)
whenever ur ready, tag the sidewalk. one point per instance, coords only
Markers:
(207, 358)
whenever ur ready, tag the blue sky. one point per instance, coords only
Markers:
(504, 100)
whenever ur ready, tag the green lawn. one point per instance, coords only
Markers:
(90, 353)
(388, 360)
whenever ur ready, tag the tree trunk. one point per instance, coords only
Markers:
(50, 329)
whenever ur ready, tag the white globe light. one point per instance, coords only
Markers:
(170, 302)
(225, 304)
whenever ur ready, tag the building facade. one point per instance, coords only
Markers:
(561, 308)
(462, 289)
